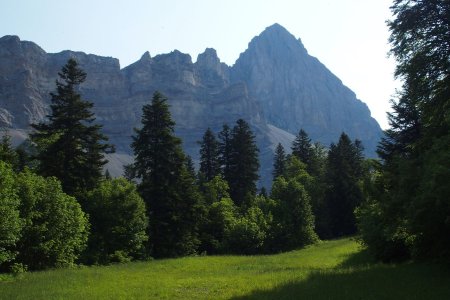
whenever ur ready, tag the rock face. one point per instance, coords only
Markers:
(275, 86)
(294, 90)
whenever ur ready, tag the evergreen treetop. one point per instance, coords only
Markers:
(209, 156)
(70, 146)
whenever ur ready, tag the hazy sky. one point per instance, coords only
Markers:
(348, 36)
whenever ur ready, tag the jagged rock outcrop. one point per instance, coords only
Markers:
(275, 86)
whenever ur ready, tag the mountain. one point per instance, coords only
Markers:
(274, 85)
(295, 90)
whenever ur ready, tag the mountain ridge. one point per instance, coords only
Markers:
(262, 87)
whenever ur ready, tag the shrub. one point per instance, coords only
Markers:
(10, 224)
(118, 222)
(55, 228)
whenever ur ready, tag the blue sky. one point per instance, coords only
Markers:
(348, 36)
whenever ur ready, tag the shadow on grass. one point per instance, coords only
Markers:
(360, 278)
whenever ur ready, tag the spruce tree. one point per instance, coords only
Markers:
(70, 145)
(279, 164)
(190, 166)
(244, 163)
(344, 194)
(209, 156)
(302, 147)
(225, 151)
(167, 187)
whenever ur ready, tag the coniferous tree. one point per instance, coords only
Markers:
(344, 194)
(279, 164)
(302, 147)
(70, 146)
(225, 151)
(168, 189)
(190, 166)
(209, 156)
(244, 163)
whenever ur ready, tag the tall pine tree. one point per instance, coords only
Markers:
(244, 163)
(225, 151)
(167, 187)
(279, 162)
(344, 194)
(302, 148)
(209, 156)
(70, 145)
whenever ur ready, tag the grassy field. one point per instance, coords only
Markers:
(331, 270)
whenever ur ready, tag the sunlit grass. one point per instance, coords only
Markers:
(331, 270)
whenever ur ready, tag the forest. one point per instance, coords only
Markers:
(59, 207)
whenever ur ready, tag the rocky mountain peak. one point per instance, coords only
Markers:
(276, 41)
(210, 70)
(208, 59)
(146, 57)
(175, 57)
(13, 39)
(296, 91)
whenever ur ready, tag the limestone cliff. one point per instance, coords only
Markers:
(275, 86)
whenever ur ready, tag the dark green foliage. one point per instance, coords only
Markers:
(293, 220)
(69, 146)
(10, 222)
(279, 161)
(244, 164)
(225, 151)
(7, 153)
(190, 166)
(167, 187)
(302, 147)
(429, 213)
(55, 228)
(209, 156)
(411, 201)
(344, 193)
(118, 222)
(314, 157)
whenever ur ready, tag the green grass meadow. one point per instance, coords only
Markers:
(338, 269)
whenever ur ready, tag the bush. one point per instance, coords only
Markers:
(118, 222)
(248, 233)
(385, 241)
(55, 228)
(293, 218)
(10, 224)
(220, 218)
